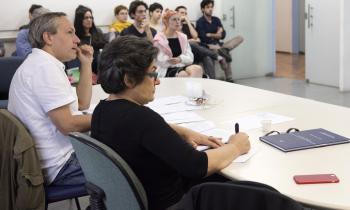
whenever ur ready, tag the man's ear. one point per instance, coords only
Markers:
(47, 38)
(130, 83)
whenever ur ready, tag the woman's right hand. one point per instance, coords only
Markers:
(241, 141)
(174, 61)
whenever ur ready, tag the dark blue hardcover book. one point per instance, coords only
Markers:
(307, 139)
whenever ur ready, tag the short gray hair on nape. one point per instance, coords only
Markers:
(44, 23)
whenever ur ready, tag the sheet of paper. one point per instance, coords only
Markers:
(250, 122)
(182, 117)
(199, 126)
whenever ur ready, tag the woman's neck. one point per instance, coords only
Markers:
(124, 96)
(154, 22)
(121, 22)
(87, 31)
(169, 33)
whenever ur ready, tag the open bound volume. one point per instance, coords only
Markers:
(306, 139)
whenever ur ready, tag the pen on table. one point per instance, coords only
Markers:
(236, 128)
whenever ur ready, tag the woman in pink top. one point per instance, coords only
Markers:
(175, 57)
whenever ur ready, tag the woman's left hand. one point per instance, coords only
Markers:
(194, 138)
(174, 61)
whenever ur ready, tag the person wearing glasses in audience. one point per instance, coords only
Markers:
(140, 27)
(88, 33)
(162, 155)
(121, 19)
(175, 57)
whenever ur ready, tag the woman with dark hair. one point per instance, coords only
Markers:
(87, 32)
(162, 155)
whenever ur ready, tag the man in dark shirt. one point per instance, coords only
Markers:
(140, 27)
(201, 54)
(211, 32)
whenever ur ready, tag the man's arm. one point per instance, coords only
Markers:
(192, 30)
(65, 122)
(148, 30)
(217, 35)
(84, 87)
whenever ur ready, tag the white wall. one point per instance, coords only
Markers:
(284, 42)
(301, 25)
(344, 83)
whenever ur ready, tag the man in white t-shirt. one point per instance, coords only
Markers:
(42, 97)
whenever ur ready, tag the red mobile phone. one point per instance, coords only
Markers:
(316, 178)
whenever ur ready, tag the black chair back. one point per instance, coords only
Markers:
(8, 67)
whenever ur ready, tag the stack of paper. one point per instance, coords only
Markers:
(171, 104)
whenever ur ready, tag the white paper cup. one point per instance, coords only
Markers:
(194, 90)
(266, 125)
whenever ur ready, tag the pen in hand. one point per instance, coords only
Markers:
(236, 128)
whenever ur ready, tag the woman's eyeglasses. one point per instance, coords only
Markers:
(153, 75)
(277, 132)
(89, 17)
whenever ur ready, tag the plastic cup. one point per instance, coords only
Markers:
(266, 125)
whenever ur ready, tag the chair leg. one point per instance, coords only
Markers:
(77, 203)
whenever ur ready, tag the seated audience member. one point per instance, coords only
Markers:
(201, 54)
(30, 15)
(42, 98)
(155, 16)
(23, 47)
(121, 19)
(211, 32)
(175, 57)
(2, 49)
(163, 156)
(140, 27)
(88, 33)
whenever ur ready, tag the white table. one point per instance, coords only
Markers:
(269, 165)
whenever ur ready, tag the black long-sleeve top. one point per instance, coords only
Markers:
(160, 158)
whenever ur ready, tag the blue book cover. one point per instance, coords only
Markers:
(307, 139)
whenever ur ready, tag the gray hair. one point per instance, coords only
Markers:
(39, 25)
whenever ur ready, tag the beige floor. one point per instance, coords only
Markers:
(290, 66)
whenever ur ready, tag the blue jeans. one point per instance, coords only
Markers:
(70, 174)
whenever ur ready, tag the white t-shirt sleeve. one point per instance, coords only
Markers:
(51, 87)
